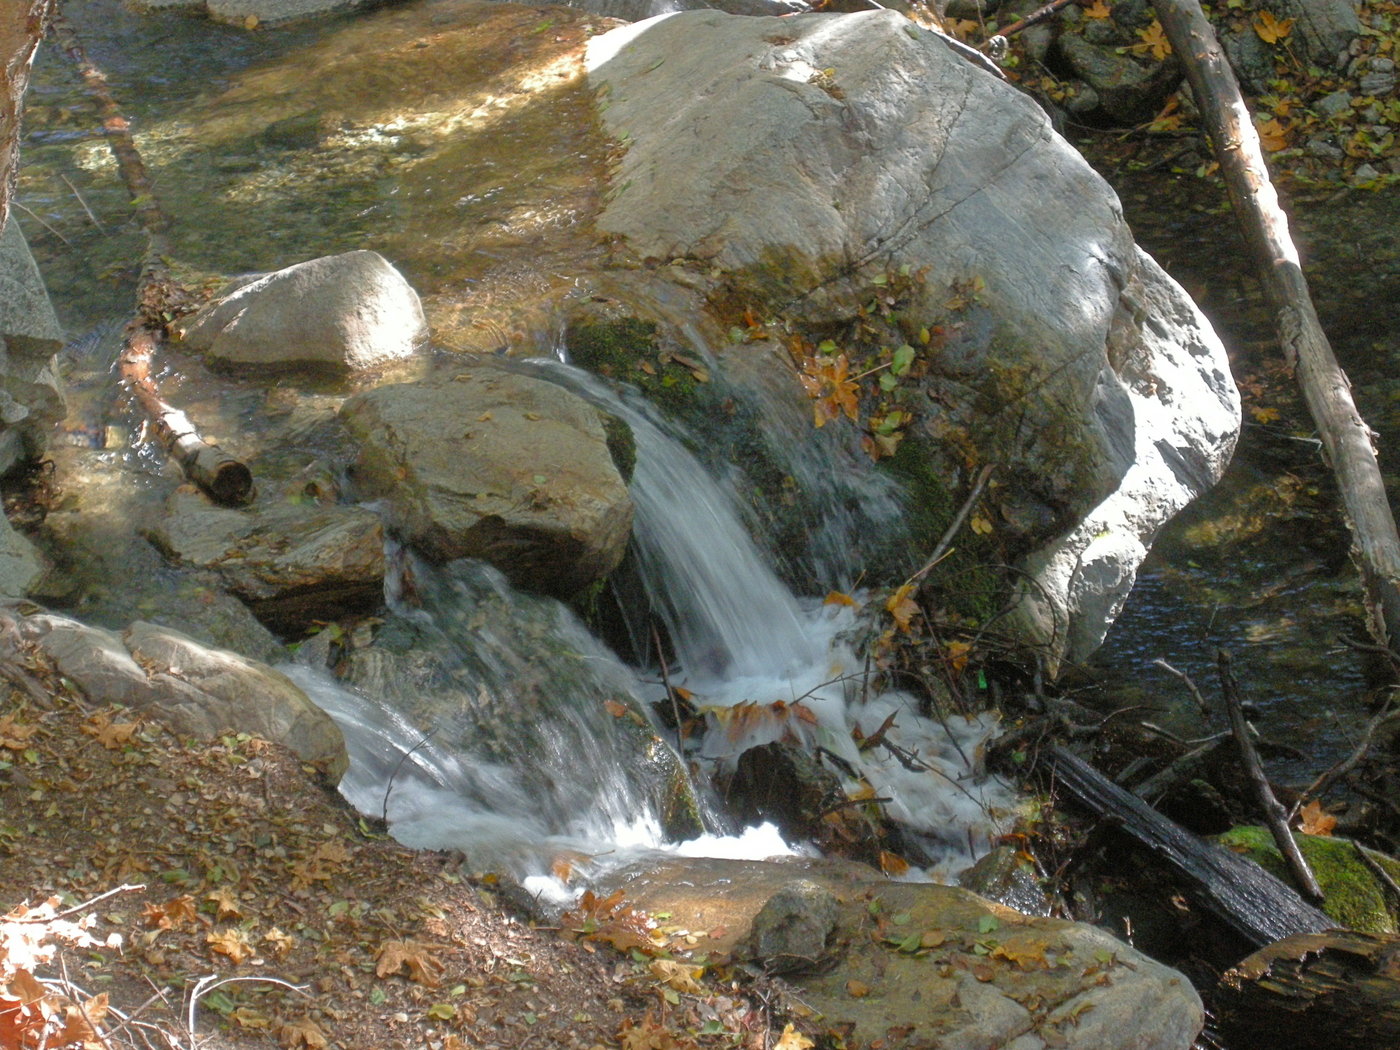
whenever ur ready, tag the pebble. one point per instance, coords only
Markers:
(1335, 104)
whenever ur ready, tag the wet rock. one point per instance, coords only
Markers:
(292, 561)
(20, 562)
(791, 930)
(1005, 877)
(160, 673)
(31, 400)
(1323, 29)
(921, 965)
(341, 312)
(1335, 104)
(748, 160)
(1250, 58)
(493, 465)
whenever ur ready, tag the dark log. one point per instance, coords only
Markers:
(1274, 814)
(1314, 991)
(1346, 438)
(1247, 898)
(222, 477)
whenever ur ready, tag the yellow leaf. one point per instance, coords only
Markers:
(681, 976)
(792, 1039)
(857, 989)
(837, 598)
(1098, 9)
(1270, 29)
(226, 903)
(1264, 414)
(1273, 136)
(902, 607)
(981, 525)
(1315, 821)
(1154, 42)
(281, 942)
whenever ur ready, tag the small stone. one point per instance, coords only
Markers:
(790, 931)
(1377, 81)
(1321, 147)
(1365, 173)
(1335, 104)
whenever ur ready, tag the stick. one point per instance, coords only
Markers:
(1040, 14)
(222, 477)
(1346, 439)
(1190, 685)
(1319, 786)
(983, 476)
(1274, 813)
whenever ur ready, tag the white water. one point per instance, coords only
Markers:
(489, 721)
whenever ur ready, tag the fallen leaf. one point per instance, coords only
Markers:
(892, 863)
(683, 977)
(302, 1033)
(226, 903)
(902, 607)
(857, 989)
(15, 737)
(837, 598)
(1154, 42)
(792, 1039)
(1098, 9)
(232, 943)
(422, 967)
(1315, 821)
(1270, 29)
(1273, 136)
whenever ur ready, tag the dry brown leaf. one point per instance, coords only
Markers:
(422, 967)
(857, 989)
(302, 1033)
(15, 737)
(683, 977)
(232, 943)
(226, 903)
(281, 942)
(902, 607)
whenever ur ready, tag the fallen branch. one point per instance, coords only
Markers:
(159, 298)
(224, 478)
(1319, 786)
(1274, 814)
(1346, 439)
(1040, 14)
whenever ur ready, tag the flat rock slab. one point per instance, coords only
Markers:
(292, 562)
(923, 966)
(492, 465)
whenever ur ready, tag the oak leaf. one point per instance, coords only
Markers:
(396, 955)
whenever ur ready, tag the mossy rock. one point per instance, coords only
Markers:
(1355, 898)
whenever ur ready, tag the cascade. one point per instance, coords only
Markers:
(490, 721)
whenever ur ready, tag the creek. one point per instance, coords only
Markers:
(1259, 567)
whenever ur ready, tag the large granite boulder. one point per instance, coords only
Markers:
(492, 465)
(801, 168)
(341, 313)
(162, 674)
(31, 400)
(919, 965)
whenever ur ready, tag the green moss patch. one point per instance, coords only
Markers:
(1354, 896)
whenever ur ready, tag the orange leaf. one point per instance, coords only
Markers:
(1154, 42)
(1098, 9)
(303, 1033)
(1315, 821)
(837, 598)
(892, 863)
(232, 943)
(1273, 136)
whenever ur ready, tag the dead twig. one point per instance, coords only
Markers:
(1040, 14)
(1190, 685)
(1274, 814)
(1330, 776)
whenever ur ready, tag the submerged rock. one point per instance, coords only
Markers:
(919, 965)
(343, 312)
(160, 673)
(804, 167)
(489, 464)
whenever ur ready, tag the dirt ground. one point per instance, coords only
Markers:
(239, 864)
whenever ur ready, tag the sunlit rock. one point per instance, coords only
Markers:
(160, 673)
(343, 312)
(806, 167)
(502, 467)
(918, 965)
